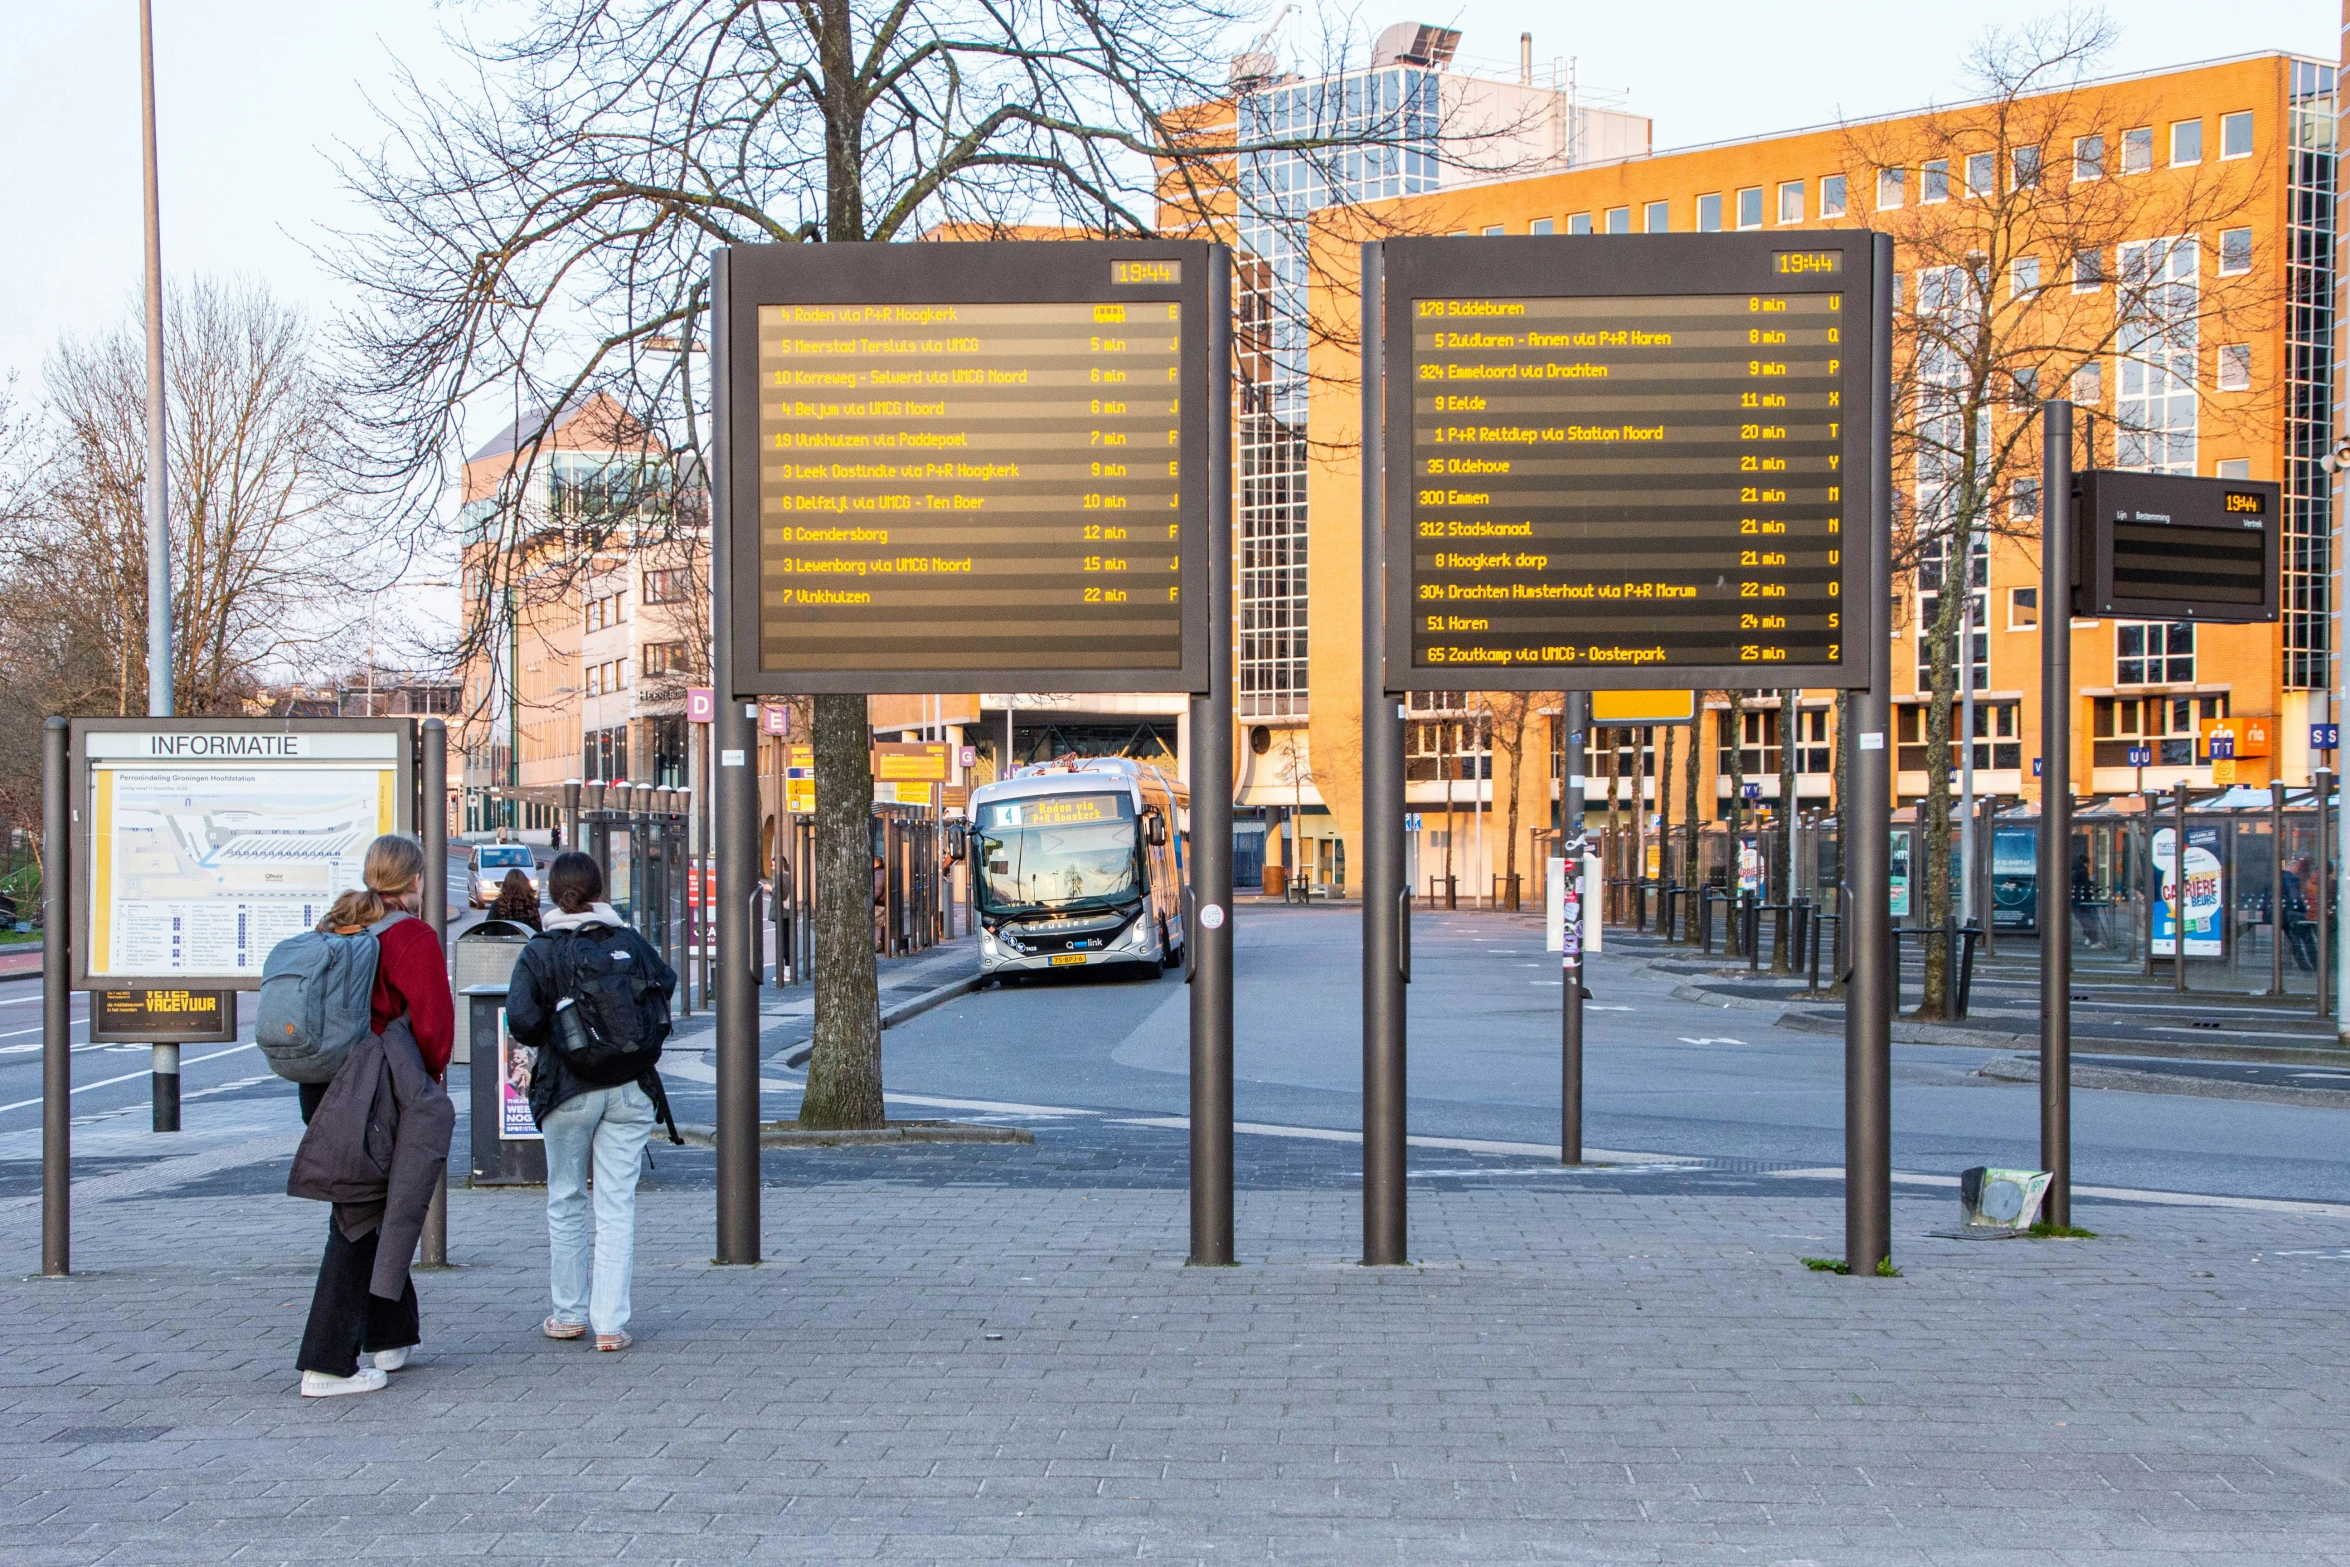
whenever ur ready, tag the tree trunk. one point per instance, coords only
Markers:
(1957, 573)
(844, 1073)
(1790, 732)
(1736, 815)
(1664, 809)
(1692, 872)
(1510, 841)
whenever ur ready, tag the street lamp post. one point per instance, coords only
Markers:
(165, 1059)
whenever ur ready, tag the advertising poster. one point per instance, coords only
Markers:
(515, 1064)
(1898, 881)
(206, 850)
(2205, 893)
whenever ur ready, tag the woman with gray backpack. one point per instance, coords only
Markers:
(358, 1013)
(590, 997)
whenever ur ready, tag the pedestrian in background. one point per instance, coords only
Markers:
(517, 900)
(378, 1136)
(591, 998)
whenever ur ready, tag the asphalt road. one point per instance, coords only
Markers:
(1664, 1077)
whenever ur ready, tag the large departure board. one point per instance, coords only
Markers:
(1617, 459)
(976, 466)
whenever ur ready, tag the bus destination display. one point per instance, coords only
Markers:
(970, 486)
(1633, 482)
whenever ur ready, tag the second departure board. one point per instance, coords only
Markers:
(1613, 460)
(977, 466)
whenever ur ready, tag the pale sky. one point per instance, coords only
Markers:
(252, 94)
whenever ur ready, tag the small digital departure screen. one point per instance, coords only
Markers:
(976, 486)
(1640, 481)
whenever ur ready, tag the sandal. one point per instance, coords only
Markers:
(611, 1341)
(555, 1327)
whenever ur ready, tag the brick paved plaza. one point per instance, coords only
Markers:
(1571, 1374)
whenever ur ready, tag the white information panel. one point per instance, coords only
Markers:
(204, 851)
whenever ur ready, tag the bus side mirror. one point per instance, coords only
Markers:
(1154, 829)
(958, 841)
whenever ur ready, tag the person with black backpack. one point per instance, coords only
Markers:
(590, 998)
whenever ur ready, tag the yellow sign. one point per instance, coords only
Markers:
(799, 780)
(901, 794)
(911, 762)
(1617, 708)
(2223, 773)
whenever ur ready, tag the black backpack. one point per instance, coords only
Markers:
(614, 1015)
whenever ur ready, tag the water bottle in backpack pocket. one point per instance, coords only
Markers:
(314, 1004)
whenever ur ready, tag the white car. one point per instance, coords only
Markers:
(490, 864)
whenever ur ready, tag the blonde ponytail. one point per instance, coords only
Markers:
(393, 868)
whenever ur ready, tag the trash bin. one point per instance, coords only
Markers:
(1276, 880)
(483, 954)
(507, 1149)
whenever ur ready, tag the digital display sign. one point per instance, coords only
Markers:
(2174, 547)
(1057, 810)
(974, 465)
(1614, 459)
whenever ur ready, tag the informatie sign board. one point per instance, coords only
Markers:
(2206, 893)
(955, 460)
(2159, 546)
(204, 842)
(1619, 457)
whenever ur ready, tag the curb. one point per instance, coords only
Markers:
(915, 1006)
(1910, 1033)
(2026, 1069)
(776, 1135)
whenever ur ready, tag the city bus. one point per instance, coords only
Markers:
(1079, 864)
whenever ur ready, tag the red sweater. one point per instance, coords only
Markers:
(412, 978)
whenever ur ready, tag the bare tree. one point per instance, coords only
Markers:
(1511, 713)
(2031, 258)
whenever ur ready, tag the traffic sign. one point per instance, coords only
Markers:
(2140, 756)
(2324, 737)
(1752, 791)
(2035, 767)
(1628, 461)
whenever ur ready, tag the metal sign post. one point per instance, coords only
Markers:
(2056, 809)
(1577, 720)
(1606, 463)
(57, 941)
(1009, 457)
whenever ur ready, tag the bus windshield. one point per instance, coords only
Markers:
(1057, 851)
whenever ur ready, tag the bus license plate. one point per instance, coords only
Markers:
(1067, 957)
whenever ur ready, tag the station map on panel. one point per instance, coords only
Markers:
(981, 486)
(1627, 482)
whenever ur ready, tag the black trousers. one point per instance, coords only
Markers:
(344, 1318)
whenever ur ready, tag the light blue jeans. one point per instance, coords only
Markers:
(609, 1125)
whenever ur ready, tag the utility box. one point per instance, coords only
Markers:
(507, 1147)
(483, 954)
(2158, 546)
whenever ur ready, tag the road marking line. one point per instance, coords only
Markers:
(1326, 1134)
(108, 1082)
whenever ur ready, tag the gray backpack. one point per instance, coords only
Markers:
(315, 990)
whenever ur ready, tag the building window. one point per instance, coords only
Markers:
(2023, 276)
(2235, 135)
(1580, 223)
(2235, 252)
(2235, 367)
(2165, 725)
(1998, 739)
(1750, 207)
(1890, 184)
(664, 658)
(2309, 374)
(1934, 181)
(1791, 202)
(1619, 220)
(2233, 468)
(2089, 383)
(2138, 150)
(2088, 271)
(1496, 228)
(2023, 499)
(1709, 214)
(2186, 143)
(2153, 653)
(1832, 196)
(1657, 218)
(1539, 226)
(1931, 561)
(2023, 604)
(1982, 175)
(667, 586)
(2088, 157)
(2027, 168)
(2023, 390)
(2155, 413)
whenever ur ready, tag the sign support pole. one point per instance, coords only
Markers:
(734, 736)
(432, 821)
(1386, 900)
(2056, 809)
(56, 1001)
(1577, 721)
(1868, 1017)
(1211, 824)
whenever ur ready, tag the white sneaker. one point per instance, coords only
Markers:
(391, 1359)
(317, 1384)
